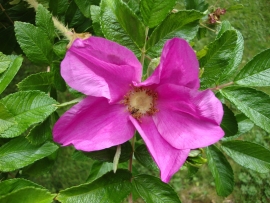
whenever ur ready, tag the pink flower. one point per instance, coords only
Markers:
(167, 109)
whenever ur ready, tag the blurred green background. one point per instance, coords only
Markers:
(253, 21)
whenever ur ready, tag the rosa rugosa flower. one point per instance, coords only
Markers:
(167, 109)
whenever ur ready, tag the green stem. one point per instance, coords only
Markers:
(221, 86)
(143, 49)
(69, 103)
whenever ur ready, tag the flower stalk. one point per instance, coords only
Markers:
(143, 49)
(221, 86)
(69, 103)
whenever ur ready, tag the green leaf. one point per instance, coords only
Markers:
(95, 16)
(4, 116)
(219, 55)
(235, 7)
(244, 124)
(98, 169)
(58, 81)
(39, 167)
(120, 24)
(248, 155)
(10, 72)
(171, 27)
(154, 11)
(4, 62)
(58, 7)
(44, 22)
(40, 81)
(229, 123)
(74, 16)
(230, 70)
(27, 108)
(34, 42)
(254, 104)
(256, 72)
(19, 189)
(107, 155)
(40, 133)
(19, 153)
(110, 188)
(153, 190)
(84, 6)
(60, 48)
(221, 171)
(143, 157)
(199, 5)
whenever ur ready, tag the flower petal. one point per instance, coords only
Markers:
(178, 65)
(168, 158)
(99, 67)
(187, 118)
(93, 124)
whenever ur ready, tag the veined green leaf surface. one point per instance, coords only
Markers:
(7, 76)
(153, 190)
(85, 5)
(19, 153)
(27, 108)
(253, 103)
(110, 188)
(229, 123)
(221, 171)
(256, 72)
(4, 62)
(120, 24)
(154, 11)
(249, 155)
(34, 42)
(98, 169)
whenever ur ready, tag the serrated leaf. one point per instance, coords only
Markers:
(40, 133)
(27, 108)
(19, 153)
(108, 154)
(4, 115)
(229, 123)
(34, 43)
(73, 15)
(116, 18)
(256, 72)
(44, 22)
(110, 188)
(153, 190)
(95, 16)
(219, 54)
(143, 157)
(84, 6)
(15, 184)
(58, 7)
(58, 81)
(171, 27)
(4, 62)
(40, 81)
(248, 155)
(253, 103)
(8, 75)
(60, 48)
(98, 169)
(221, 171)
(154, 11)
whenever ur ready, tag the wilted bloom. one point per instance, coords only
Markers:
(167, 109)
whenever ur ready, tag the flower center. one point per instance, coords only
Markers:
(141, 101)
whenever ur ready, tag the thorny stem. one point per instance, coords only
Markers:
(58, 25)
(221, 86)
(69, 103)
(143, 49)
(2, 8)
(208, 28)
(130, 200)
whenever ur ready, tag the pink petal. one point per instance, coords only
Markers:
(168, 158)
(178, 65)
(93, 124)
(99, 67)
(187, 118)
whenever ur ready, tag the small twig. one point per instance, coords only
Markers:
(221, 86)
(2, 8)
(148, 57)
(208, 28)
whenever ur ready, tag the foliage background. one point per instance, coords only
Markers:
(253, 22)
